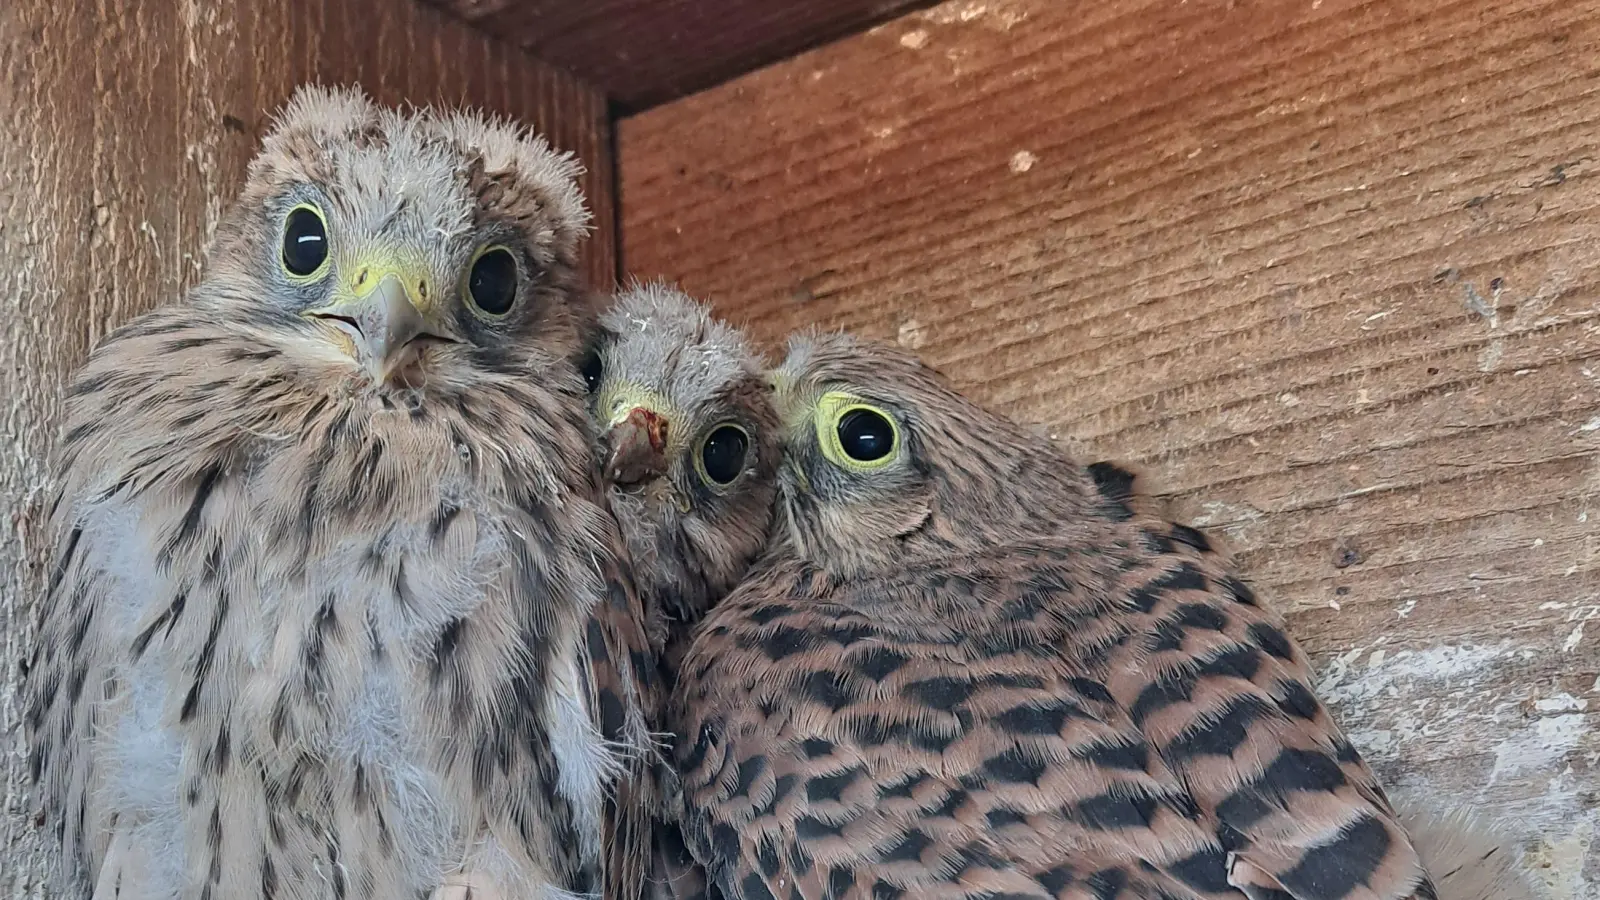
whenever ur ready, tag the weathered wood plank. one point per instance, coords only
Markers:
(126, 127)
(644, 52)
(1326, 270)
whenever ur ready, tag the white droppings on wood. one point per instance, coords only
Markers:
(997, 16)
(1558, 865)
(1411, 711)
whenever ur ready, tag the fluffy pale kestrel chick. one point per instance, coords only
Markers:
(688, 447)
(970, 675)
(336, 609)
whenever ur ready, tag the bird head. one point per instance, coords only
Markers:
(885, 463)
(687, 443)
(431, 250)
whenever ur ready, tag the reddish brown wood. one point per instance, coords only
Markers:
(1327, 269)
(643, 52)
(127, 126)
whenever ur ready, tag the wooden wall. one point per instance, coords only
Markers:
(124, 128)
(1327, 269)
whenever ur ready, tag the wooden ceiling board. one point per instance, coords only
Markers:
(644, 52)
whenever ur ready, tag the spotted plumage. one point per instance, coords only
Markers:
(688, 449)
(337, 610)
(973, 669)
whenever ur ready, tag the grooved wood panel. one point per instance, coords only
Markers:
(644, 52)
(1325, 270)
(126, 127)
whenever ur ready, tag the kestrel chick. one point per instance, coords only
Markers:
(688, 447)
(969, 675)
(331, 550)
(689, 455)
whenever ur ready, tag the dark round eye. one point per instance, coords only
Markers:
(305, 242)
(722, 456)
(589, 367)
(492, 284)
(865, 435)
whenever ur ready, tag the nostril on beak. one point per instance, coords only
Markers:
(638, 447)
(652, 423)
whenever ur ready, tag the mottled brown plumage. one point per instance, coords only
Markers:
(689, 453)
(1467, 858)
(337, 610)
(967, 672)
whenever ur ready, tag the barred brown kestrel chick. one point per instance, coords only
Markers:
(968, 674)
(689, 454)
(336, 609)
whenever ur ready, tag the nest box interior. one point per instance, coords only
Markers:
(1325, 270)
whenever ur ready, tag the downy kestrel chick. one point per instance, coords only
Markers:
(688, 447)
(965, 674)
(689, 456)
(336, 609)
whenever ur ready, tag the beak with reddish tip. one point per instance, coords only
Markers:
(638, 444)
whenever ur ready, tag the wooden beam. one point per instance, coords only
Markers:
(127, 129)
(644, 52)
(1326, 269)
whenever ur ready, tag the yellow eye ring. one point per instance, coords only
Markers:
(491, 281)
(304, 254)
(856, 435)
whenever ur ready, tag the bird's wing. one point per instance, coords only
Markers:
(1213, 682)
(626, 692)
(828, 753)
(674, 872)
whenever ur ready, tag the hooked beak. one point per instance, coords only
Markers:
(638, 444)
(381, 316)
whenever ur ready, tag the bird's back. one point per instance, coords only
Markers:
(1108, 718)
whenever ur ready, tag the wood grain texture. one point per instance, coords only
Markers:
(644, 52)
(126, 127)
(1326, 270)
